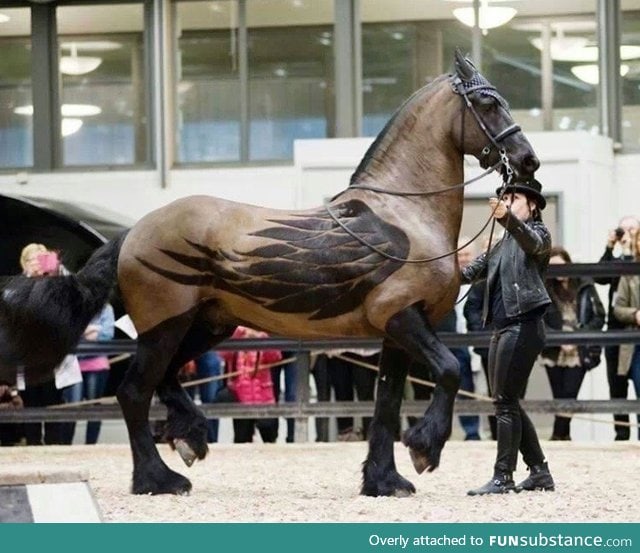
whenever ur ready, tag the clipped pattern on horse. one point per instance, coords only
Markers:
(190, 272)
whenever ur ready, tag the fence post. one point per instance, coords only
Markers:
(301, 428)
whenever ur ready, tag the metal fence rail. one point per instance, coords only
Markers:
(302, 408)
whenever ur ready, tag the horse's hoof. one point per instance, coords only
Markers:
(184, 450)
(160, 482)
(403, 493)
(420, 461)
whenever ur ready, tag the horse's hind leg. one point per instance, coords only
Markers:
(380, 476)
(425, 440)
(186, 425)
(156, 348)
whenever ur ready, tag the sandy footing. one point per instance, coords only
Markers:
(320, 483)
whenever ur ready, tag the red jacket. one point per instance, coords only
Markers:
(252, 385)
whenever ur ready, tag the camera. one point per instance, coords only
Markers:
(48, 262)
(619, 233)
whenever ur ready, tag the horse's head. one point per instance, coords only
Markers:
(487, 129)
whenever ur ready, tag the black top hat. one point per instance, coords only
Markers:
(532, 189)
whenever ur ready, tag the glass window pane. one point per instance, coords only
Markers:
(630, 72)
(16, 105)
(404, 46)
(513, 65)
(104, 108)
(427, 33)
(208, 89)
(290, 74)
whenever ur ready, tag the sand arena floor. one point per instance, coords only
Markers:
(320, 482)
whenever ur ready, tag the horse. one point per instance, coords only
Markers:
(375, 261)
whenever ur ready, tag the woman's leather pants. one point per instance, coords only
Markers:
(512, 353)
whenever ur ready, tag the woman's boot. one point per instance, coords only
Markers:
(502, 482)
(539, 479)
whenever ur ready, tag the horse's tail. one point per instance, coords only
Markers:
(98, 276)
(43, 319)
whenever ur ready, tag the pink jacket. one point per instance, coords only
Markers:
(251, 385)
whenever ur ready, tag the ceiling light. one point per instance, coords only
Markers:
(4, 18)
(67, 110)
(92, 45)
(78, 65)
(564, 48)
(79, 110)
(590, 74)
(70, 125)
(490, 16)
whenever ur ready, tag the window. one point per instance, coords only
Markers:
(208, 86)
(102, 75)
(248, 100)
(406, 44)
(630, 73)
(16, 111)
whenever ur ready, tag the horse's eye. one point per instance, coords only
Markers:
(485, 103)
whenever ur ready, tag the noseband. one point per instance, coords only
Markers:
(479, 84)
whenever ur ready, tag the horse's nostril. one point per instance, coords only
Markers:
(531, 163)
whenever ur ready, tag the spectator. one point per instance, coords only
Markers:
(252, 385)
(10, 434)
(206, 367)
(472, 311)
(470, 423)
(95, 369)
(289, 371)
(575, 305)
(37, 261)
(343, 376)
(627, 312)
(618, 248)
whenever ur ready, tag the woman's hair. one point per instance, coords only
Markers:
(29, 250)
(635, 238)
(555, 286)
(536, 213)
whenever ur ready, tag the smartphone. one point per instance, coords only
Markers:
(48, 262)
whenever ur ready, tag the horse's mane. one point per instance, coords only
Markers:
(391, 124)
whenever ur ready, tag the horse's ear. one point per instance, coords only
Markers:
(464, 68)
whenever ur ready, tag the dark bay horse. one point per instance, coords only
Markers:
(192, 271)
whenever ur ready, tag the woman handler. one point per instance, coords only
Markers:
(514, 270)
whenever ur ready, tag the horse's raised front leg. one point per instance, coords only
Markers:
(425, 440)
(380, 476)
(156, 348)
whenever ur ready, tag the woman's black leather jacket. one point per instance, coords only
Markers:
(520, 260)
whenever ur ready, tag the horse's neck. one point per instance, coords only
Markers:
(406, 168)
(414, 159)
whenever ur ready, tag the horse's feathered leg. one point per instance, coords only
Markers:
(411, 329)
(380, 476)
(186, 425)
(156, 348)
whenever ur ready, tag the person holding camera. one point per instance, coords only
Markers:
(618, 248)
(627, 311)
(575, 305)
(38, 261)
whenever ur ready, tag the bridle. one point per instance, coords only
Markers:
(478, 83)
